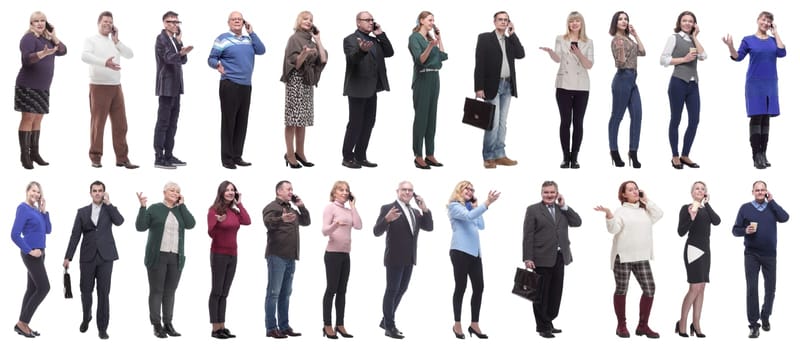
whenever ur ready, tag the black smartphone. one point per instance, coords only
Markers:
(766, 196)
(48, 27)
(574, 44)
(246, 25)
(113, 30)
(294, 198)
(236, 196)
(435, 29)
(375, 26)
(350, 197)
(314, 30)
(178, 32)
(641, 193)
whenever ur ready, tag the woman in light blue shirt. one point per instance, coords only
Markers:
(466, 218)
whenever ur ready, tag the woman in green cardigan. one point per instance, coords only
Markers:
(163, 256)
(427, 50)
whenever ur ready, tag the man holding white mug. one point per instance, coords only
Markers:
(757, 222)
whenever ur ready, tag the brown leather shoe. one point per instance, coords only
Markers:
(489, 164)
(505, 161)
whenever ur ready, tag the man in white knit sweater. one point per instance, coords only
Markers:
(102, 52)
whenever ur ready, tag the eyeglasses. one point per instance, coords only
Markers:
(173, 22)
(236, 19)
(406, 190)
(367, 19)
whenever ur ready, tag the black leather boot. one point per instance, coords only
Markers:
(573, 160)
(25, 149)
(566, 161)
(35, 157)
(633, 158)
(616, 160)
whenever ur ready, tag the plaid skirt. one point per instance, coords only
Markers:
(31, 100)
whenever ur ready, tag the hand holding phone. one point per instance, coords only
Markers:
(246, 25)
(294, 198)
(48, 27)
(436, 30)
(314, 30)
(375, 26)
(350, 197)
(236, 197)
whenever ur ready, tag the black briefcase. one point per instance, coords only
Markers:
(527, 285)
(67, 285)
(478, 113)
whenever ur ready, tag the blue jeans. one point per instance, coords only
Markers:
(680, 93)
(494, 141)
(625, 94)
(279, 289)
(766, 264)
(397, 279)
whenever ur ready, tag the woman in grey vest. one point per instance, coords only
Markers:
(682, 51)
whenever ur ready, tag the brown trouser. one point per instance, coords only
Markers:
(105, 100)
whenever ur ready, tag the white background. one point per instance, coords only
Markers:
(425, 314)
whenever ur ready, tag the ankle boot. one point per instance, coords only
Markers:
(573, 160)
(633, 158)
(25, 149)
(566, 161)
(35, 148)
(616, 160)
(619, 310)
(645, 305)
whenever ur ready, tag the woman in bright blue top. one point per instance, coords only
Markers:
(31, 225)
(466, 218)
(761, 87)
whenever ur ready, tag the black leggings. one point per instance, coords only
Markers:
(223, 268)
(337, 273)
(38, 286)
(465, 265)
(572, 107)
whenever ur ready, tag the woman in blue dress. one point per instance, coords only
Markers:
(761, 87)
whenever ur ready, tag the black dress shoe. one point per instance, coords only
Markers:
(547, 334)
(229, 165)
(22, 333)
(84, 325)
(479, 335)
(128, 165)
(158, 331)
(352, 164)
(432, 163)
(241, 162)
(366, 163)
(393, 333)
(426, 166)
(754, 333)
(303, 161)
(277, 334)
(219, 334)
(555, 331)
(689, 164)
(765, 325)
(291, 333)
(228, 333)
(103, 335)
(171, 330)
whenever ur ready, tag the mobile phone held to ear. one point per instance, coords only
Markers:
(246, 25)
(435, 29)
(314, 30)
(294, 198)
(350, 197)
(236, 196)
(48, 27)
(113, 30)
(375, 26)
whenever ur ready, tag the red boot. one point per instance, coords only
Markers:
(645, 305)
(619, 310)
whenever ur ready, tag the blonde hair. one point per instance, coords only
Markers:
(34, 16)
(422, 15)
(573, 16)
(456, 196)
(336, 185)
(299, 20)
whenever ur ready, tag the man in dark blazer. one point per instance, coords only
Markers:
(170, 58)
(98, 252)
(496, 82)
(545, 248)
(364, 77)
(401, 223)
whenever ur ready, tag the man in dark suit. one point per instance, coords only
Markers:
(496, 82)
(98, 252)
(364, 77)
(401, 223)
(170, 58)
(545, 248)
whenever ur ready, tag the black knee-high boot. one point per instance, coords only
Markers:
(764, 141)
(755, 145)
(35, 157)
(25, 149)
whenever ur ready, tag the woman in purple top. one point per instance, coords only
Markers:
(225, 217)
(31, 225)
(337, 222)
(38, 48)
(761, 87)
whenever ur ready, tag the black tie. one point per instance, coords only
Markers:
(412, 217)
(552, 211)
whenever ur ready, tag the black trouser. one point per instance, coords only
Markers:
(99, 270)
(551, 286)
(38, 286)
(169, 107)
(163, 278)
(223, 268)
(572, 107)
(234, 102)
(397, 279)
(465, 265)
(359, 127)
(337, 272)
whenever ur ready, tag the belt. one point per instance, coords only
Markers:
(426, 70)
(620, 70)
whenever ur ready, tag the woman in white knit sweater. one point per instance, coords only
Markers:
(632, 250)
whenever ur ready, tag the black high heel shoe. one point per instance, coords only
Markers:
(678, 330)
(458, 336)
(344, 335)
(426, 166)
(633, 159)
(479, 335)
(695, 332)
(616, 160)
(329, 336)
(303, 161)
(290, 164)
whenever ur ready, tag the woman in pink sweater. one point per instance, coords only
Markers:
(224, 218)
(337, 222)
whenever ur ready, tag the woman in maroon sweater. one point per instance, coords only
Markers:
(224, 218)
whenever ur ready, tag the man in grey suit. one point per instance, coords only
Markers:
(401, 223)
(98, 252)
(364, 77)
(545, 248)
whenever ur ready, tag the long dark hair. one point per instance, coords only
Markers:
(621, 193)
(613, 28)
(220, 206)
(678, 22)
